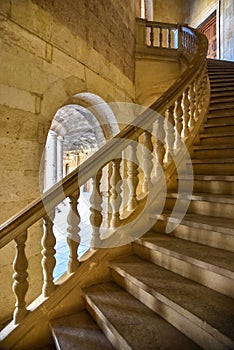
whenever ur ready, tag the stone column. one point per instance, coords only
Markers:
(51, 160)
(59, 158)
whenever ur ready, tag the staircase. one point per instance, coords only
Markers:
(175, 291)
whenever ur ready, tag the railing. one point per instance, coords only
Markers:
(184, 106)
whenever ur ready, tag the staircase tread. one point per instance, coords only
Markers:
(79, 330)
(218, 260)
(137, 325)
(205, 177)
(213, 197)
(213, 160)
(210, 222)
(216, 125)
(208, 305)
(216, 146)
(218, 134)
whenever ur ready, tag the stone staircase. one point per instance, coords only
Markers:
(175, 291)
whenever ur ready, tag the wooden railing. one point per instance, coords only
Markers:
(183, 106)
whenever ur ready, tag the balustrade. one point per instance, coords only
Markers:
(183, 105)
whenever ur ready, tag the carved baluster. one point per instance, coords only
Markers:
(192, 106)
(179, 124)
(185, 103)
(160, 37)
(132, 179)
(20, 285)
(197, 97)
(48, 261)
(152, 36)
(160, 149)
(147, 163)
(73, 238)
(170, 133)
(115, 199)
(169, 38)
(96, 209)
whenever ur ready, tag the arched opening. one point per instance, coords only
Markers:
(78, 130)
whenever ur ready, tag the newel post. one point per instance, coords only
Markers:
(140, 32)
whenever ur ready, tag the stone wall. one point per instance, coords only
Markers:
(170, 11)
(51, 50)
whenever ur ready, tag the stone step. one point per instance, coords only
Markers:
(78, 331)
(216, 118)
(203, 315)
(218, 206)
(218, 166)
(221, 99)
(221, 84)
(211, 267)
(215, 89)
(214, 151)
(221, 106)
(208, 183)
(207, 230)
(221, 80)
(223, 94)
(218, 128)
(129, 324)
(216, 138)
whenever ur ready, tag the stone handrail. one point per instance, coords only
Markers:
(183, 107)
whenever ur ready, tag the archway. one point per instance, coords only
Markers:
(78, 129)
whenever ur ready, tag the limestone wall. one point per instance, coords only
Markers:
(170, 11)
(49, 51)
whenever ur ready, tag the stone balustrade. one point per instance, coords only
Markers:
(181, 110)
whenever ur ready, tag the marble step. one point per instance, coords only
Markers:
(216, 138)
(215, 89)
(221, 84)
(208, 230)
(210, 184)
(129, 324)
(214, 166)
(219, 206)
(78, 331)
(214, 151)
(202, 314)
(211, 267)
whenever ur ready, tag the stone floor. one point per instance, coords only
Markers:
(60, 231)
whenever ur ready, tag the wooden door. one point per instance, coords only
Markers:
(209, 29)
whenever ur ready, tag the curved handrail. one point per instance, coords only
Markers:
(184, 105)
(36, 210)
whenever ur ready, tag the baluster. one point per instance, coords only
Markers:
(115, 199)
(73, 238)
(159, 149)
(160, 38)
(185, 103)
(132, 179)
(197, 97)
(192, 106)
(152, 36)
(147, 163)
(178, 119)
(170, 133)
(20, 285)
(48, 261)
(96, 209)
(169, 38)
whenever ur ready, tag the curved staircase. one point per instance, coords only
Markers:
(176, 291)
